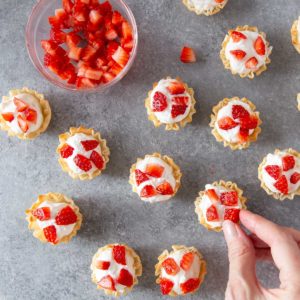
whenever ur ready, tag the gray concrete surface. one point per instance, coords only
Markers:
(30, 270)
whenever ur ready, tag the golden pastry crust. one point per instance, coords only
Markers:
(53, 198)
(166, 253)
(206, 12)
(168, 160)
(228, 185)
(294, 34)
(105, 152)
(277, 196)
(234, 146)
(174, 126)
(45, 109)
(298, 101)
(137, 267)
(226, 62)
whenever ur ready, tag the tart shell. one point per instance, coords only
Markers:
(294, 35)
(206, 12)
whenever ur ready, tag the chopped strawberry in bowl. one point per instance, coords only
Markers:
(80, 45)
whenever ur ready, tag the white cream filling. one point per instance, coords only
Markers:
(204, 5)
(8, 106)
(167, 175)
(165, 116)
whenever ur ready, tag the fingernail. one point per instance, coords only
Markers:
(229, 230)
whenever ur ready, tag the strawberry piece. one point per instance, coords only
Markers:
(282, 185)
(121, 57)
(148, 191)
(180, 100)
(57, 35)
(30, 115)
(126, 31)
(80, 12)
(119, 254)
(274, 171)
(219, 1)
(238, 54)
(9, 117)
(105, 8)
(295, 178)
(187, 261)
(75, 53)
(165, 188)
(229, 198)
(107, 283)
(102, 265)
(20, 104)
(212, 194)
(190, 285)
(50, 234)
(93, 74)
(140, 177)
(82, 162)
(67, 5)
(227, 123)
(89, 145)
(154, 170)
(22, 123)
(251, 63)
(178, 110)
(288, 162)
(87, 53)
(95, 16)
(249, 122)
(237, 36)
(111, 34)
(117, 18)
(72, 39)
(260, 46)
(212, 214)
(125, 278)
(111, 48)
(187, 55)
(243, 135)
(159, 102)
(84, 83)
(127, 45)
(238, 111)
(176, 87)
(170, 266)
(107, 77)
(66, 151)
(166, 286)
(42, 213)
(232, 214)
(116, 69)
(97, 159)
(66, 216)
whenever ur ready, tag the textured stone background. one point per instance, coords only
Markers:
(30, 270)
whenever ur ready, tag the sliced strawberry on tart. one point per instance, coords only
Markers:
(205, 7)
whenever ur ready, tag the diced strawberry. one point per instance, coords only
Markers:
(20, 104)
(66, 216)
(72, 39)
(89, 145)
(57, 35)
(100, 61)
(176, 87)
(80, 12)
(59, 20)
(97, 159)
(251, 63)
(190, 285)
(115, 69)
(170, 266)
(87, 53)
(125, 278)
(232, 214)
(295, 178)
(178, 110)
(282, 185)
(102, 265)
(274, 171)
(49, 46)
(50, 234)
(75, 53)
(148, 191)
(107, 77)
(154, 170)
(166, 286)
(165, 188)
(229, 198)
(30, 115)
(212, 214)
(42, 213)
(238, 111)
(107, 283)
(140, 177)
(180, 100)
(249, 122)
(117, 18)
(126, 31)
(67, 5)
(259, 46)
(187, 261)
(159, 102)
(9, 117)
(84, 83)
(111, 49)
(187, 55)
(121, 57)
(66, 151)
(119, 254)
(95, 16)
(237, 36)
(243, 135)
(69, 72)
(238, 54)
(219, 1)
(288, 162)
(22, 124)
(93, 74)
(105, 8)
(212, 195)
(111, 34)
(127, 45)
(94, 4)
(227, 123)
(82, 162)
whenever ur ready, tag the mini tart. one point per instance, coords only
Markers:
(180, 271)
(115, 269)
(235, 123)
(245, 51)
(279, 174)
(83, 154)
(54, 218)
(171, 102)
(24, 113)
(205, 7)
(155, 178)
(295, 33)
(219, 201)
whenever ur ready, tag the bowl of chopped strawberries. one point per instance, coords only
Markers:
(82, 44)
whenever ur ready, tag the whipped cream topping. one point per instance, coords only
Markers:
(8, 106)
(206, 203)
(276, 159)
(298, 29)
(246, 45)
(114, 268)
(61, 230)
(231, 135)
(167, 175)
(205, 5)
(182, 276)
(165, 116)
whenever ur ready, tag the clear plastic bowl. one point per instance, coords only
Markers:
(38, 29)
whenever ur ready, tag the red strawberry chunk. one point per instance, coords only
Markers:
(50, 234)
(89, 145)
(187, 261)
(170, 266)
(107, 77)
(66, 151)
(148, 191)
(116, 69)
(67, 5)
(232, 214)
(80, 12)
(249, 122)
(82, 162)
(107, 283)
(188, 55)
(75, 53)
(165, 188)
(282, 185)
(212, 195)
(72, 39)
(121, 57)
(57, 35)
(229, 198)
(176, 87)
(238, 111)
(30, 115)
(243, 135)
(119, 254)
(180, 100)
(111, 34)
(238, 54)
(42, 213)
(212, 214)
(260, 46)
(97, 159)
(166, 286)
(237, 36)
(140, 177)
(105, 8)
(288, 162)
(178, 110)
(111, 49)
(227, 123)
(84, 83)
(274, 171)
(93, 74)
(9, 117)
(66, 216)
(117, 18)
(295, 178)
(20, 104)
(125, 278)
(95, 16)
(154, 170)
(22, 123)
(102, 265)
(159, 102)
(251, 63)
(126, 31)
(190, 285)
(87, 53)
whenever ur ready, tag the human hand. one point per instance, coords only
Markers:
(267, 241)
